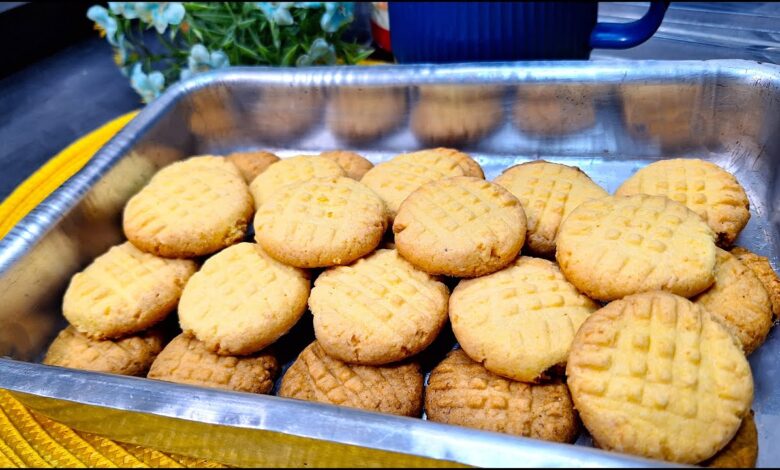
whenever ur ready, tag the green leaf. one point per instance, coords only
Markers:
(248, 52)
(275, 35)
(289, 55)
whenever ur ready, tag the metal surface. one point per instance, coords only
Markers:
(607, 118)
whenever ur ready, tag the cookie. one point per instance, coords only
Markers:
(462, 392)
(436, 121)
(124, 291)
(617, 246)
(548, 193)
(520, 321)
(552, 110)
(353, 164)
(190, 208)
(378, 310)
(242, 300)
(321, 222)
(251, 164)
(396, 179)
(362, 114)
(460, 226)
(656, 375)
(704, 187)
(672, 116)
(761, 268)
(431, 157)
(460, 92)
(186, 360)
(742, 451)
(291, 170)
(282, 113)
(132, 355)
(314, 376)
(738, 299)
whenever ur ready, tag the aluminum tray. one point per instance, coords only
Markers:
(609, 118)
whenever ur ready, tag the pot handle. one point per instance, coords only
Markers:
(625, 35)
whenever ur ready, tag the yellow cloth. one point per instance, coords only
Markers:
(55, 172)
(28, 439)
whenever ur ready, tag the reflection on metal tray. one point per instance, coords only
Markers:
(607, 118)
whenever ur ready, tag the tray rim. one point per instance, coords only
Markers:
(32, 378)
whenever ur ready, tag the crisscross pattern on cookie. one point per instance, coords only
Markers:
(190, 208)
(396, 179)
(548, 192)
(315, 376)
(124, 291)
(519, 321)
(739, 299)
(656, 375)
(128, 356)
(460, 226)
(763, 270)
(289, 171)
(702, 186)
(321, 222)
(378, 310)
(617, 246)
(242, 300)
(186, 360)
(437, 156)
(462, 392)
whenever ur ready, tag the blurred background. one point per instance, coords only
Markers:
(54, 61)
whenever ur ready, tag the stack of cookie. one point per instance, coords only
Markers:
(624, 311)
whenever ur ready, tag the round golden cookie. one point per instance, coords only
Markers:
(378, 310)
(242, 300)
(656, 375)
(124, 291)
(456, 122)
(291, 170)
(460, 226)
(396, 179)
(742, 451)
(432, 157)
(552, 110)
(704, 187)
(462, 392)
(281, 113)
(362, 114)
(520, 321)
(353, 164)
(673, 116)
(548, 193)
(459, 92)
(617, 246)
(191, 208)
(132, 355)
(251, 164)
(321, 222)
(186, 360)
(314, 376)
(738, 299)
(761, 268)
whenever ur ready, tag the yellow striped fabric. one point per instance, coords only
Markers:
(28, 439)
